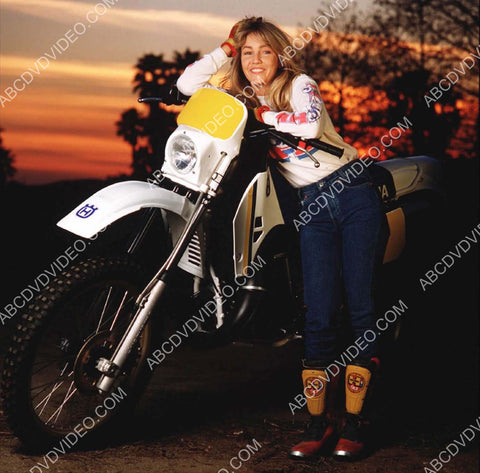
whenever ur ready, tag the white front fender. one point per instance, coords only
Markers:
(120, 199)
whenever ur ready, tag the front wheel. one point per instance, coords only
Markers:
(49, 376)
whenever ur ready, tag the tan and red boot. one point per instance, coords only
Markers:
(319, 430)
(353, 438)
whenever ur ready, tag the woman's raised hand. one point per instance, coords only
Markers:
(229, 45)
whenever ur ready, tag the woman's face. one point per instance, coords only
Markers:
(259, 63)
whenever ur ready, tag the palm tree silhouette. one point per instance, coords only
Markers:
(130, 127)
(7, 169)
(182, 60)
(148, 134)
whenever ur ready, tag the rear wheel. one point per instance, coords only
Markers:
(49, 377)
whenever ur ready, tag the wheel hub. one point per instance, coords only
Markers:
(85, 372)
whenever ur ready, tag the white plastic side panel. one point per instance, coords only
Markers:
(414, 173)
(257, 213)
(120, 199)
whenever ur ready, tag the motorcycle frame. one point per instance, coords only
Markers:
(120, 199)
(257, 214)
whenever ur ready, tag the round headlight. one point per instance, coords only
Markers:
(183, 154)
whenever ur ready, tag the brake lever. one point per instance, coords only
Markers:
(270, 130)
(178, 95)
(254, 133)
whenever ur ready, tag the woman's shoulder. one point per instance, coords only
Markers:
(304, 88)
(302, 80)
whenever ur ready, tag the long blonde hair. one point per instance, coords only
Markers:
(279, 92)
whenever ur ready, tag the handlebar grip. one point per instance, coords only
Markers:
(150, 99)
(335, 150)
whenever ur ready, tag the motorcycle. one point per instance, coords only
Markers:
(228, 253)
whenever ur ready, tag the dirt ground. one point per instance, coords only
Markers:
(202, 408)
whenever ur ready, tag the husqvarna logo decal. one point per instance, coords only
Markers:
(86, 211)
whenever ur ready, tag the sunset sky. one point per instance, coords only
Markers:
(71, 91)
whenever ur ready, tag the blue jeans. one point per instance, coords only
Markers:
(343, 242)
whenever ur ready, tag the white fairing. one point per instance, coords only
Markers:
(116, 201)
(257, 213)
(414, 173)
(208, 158)
(209, 151)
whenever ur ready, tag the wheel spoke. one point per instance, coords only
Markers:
(114, 316)
(104, 308)
(67, 397)
(45, 400)
(45, 365)
(44, 386)
(118, 311)
(87, 309)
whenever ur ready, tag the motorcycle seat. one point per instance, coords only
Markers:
(412, 173)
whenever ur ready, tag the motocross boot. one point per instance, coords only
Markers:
(353, 437)
(319, 430)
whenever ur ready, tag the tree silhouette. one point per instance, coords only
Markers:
(147, 133)
(375, 69)
(129, 127)
(7, 170)
(338, 58)
(182, 60)
(443, 33)
(454, 23)
(446, 32)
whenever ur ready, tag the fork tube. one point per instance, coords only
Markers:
(179, 248)
(129, 338)
(150, 295)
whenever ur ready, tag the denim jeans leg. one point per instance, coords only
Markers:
(362, 223)
(321, 262)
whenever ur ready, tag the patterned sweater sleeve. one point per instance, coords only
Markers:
(198, 74)
(309, 114)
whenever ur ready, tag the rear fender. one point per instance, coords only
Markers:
(118, 200)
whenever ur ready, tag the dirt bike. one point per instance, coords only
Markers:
(229, 256)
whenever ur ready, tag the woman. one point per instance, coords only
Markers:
(344, 236)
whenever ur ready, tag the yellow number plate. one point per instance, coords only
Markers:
(214, 112)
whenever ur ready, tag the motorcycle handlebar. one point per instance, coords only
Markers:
(265, 129)
(293, 141)
(150, 99)
(175, 98)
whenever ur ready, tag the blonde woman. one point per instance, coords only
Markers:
(342, 241)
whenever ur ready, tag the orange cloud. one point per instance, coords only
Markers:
(65, 126)
(78, 154)
(41, 66)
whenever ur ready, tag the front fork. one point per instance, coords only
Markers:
(147, 300)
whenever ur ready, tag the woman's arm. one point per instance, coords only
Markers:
(198, 74)
(308, 117)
